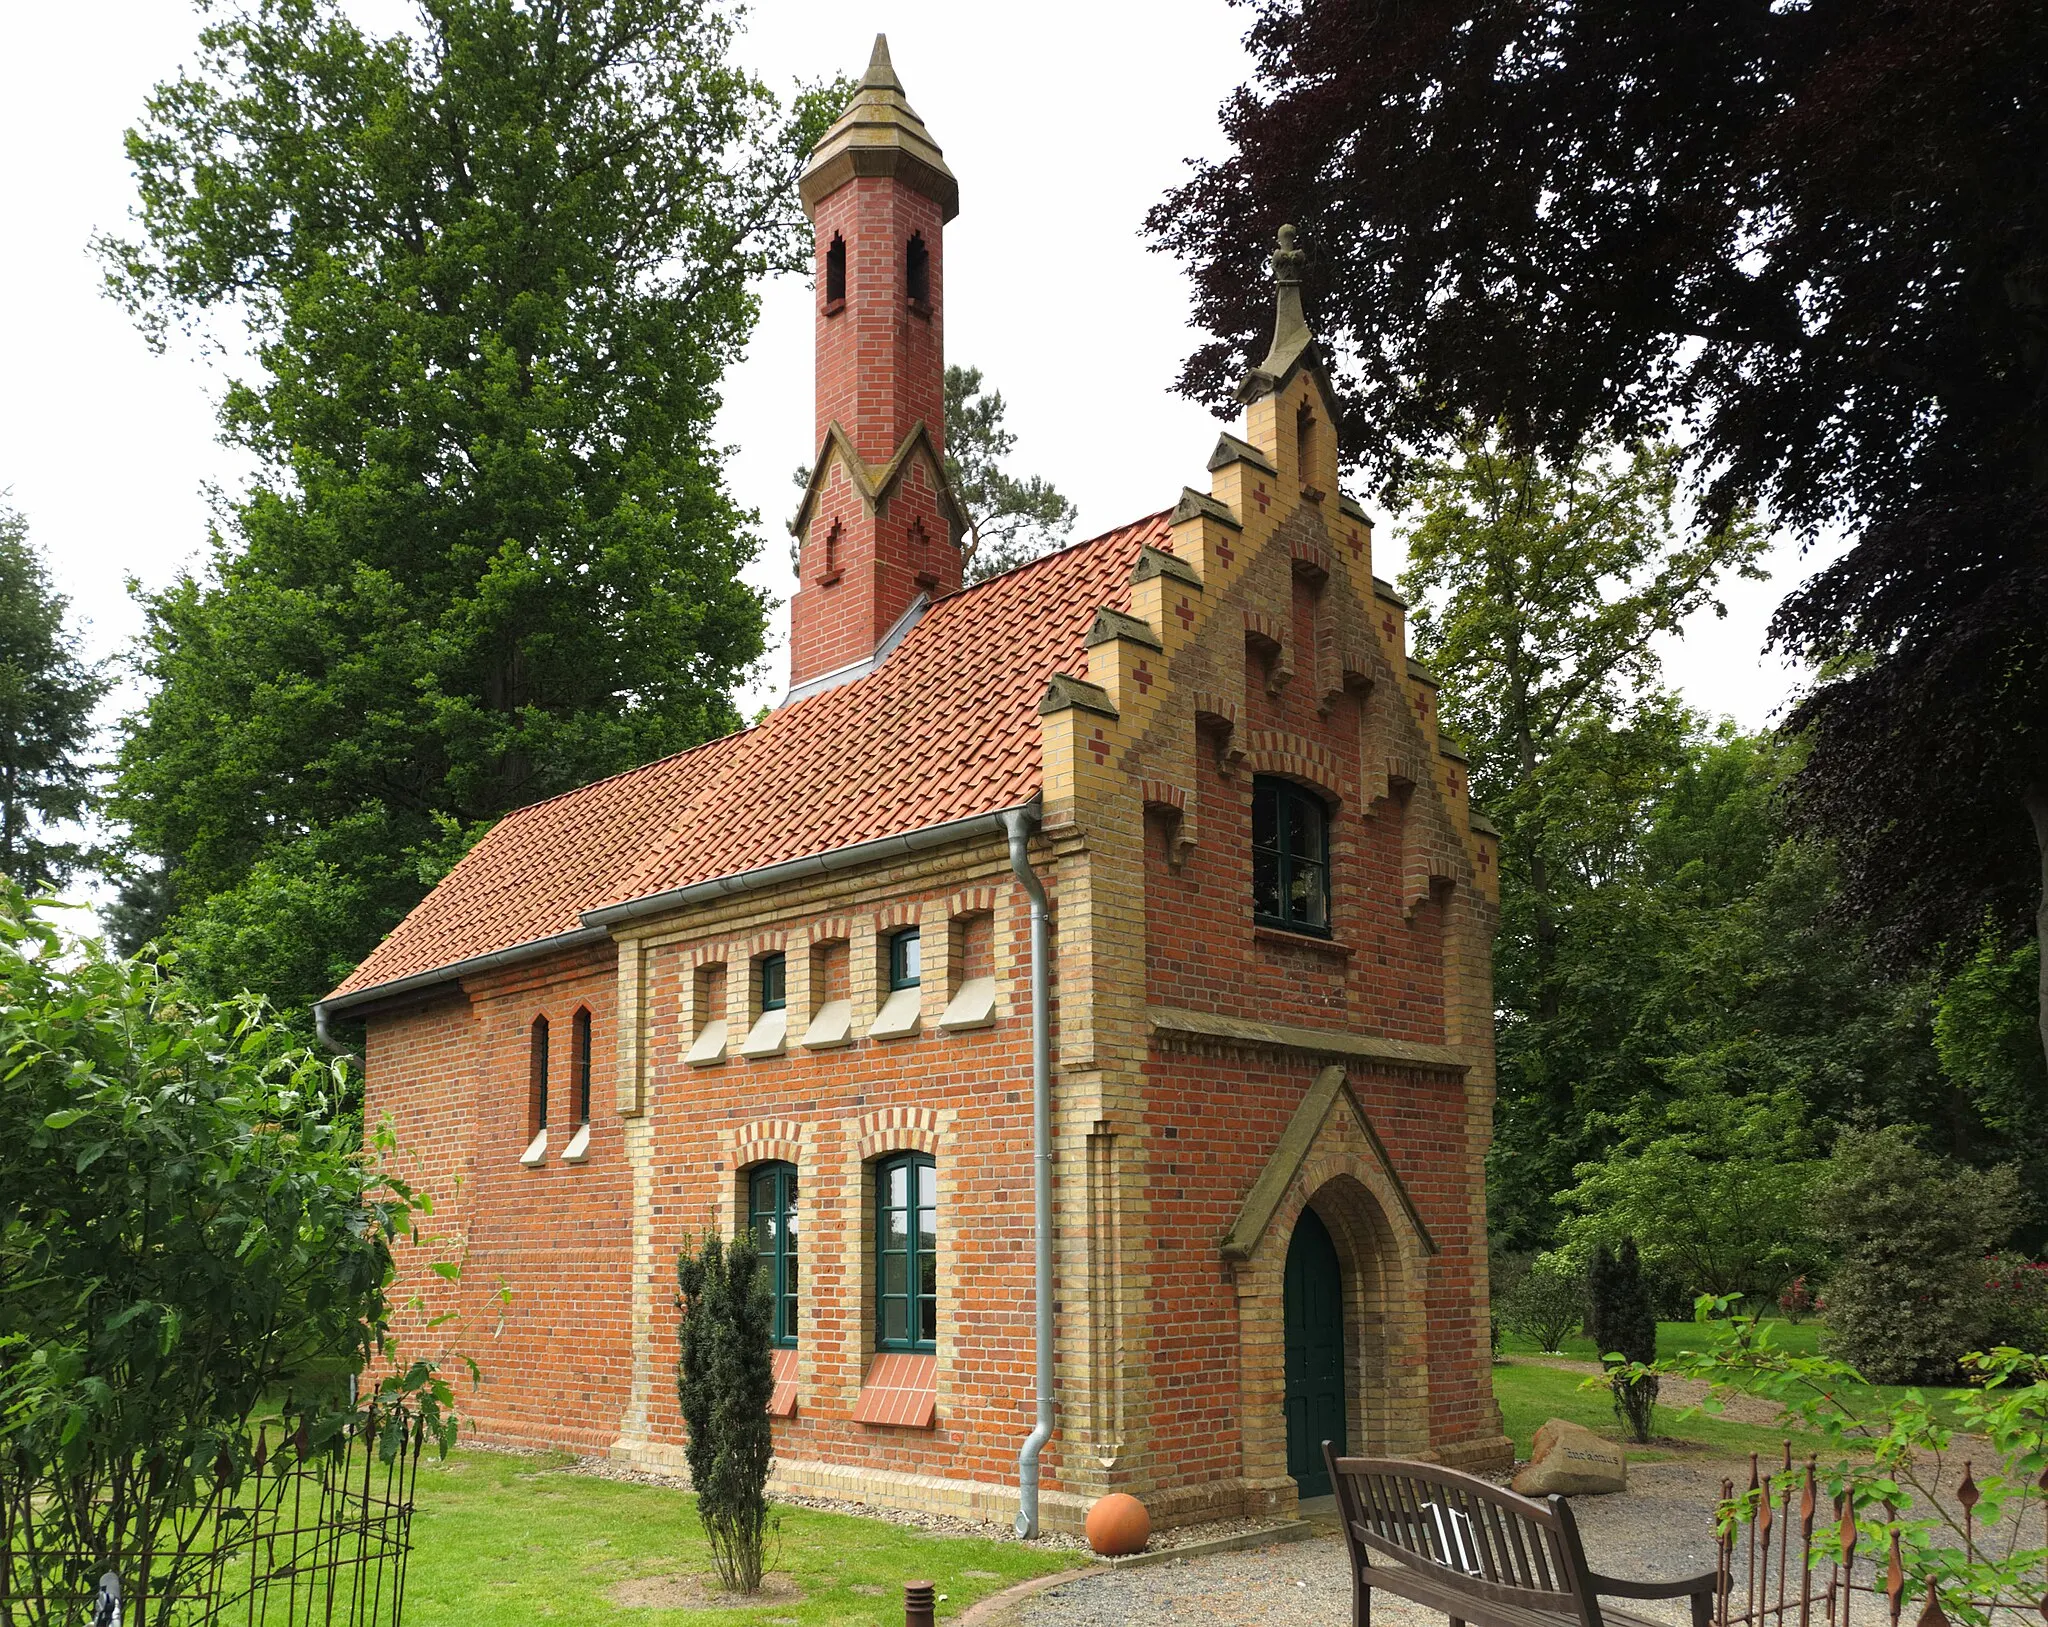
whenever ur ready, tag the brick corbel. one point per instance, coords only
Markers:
(1170, 800)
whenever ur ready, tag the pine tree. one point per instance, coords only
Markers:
(47, 696)
(725, 1381)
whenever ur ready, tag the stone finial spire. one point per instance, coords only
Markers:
(879, 134)
(1291, 333)
(881, 74)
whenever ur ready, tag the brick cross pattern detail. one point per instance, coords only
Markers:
(1387, 627)
(1186, 612)
(1356, 545)
(1100, 747)
(1225, 553)
(1259, 496)
(1143, 676)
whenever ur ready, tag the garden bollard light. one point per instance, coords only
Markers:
(917, 1604)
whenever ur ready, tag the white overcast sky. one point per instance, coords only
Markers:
(1064, 121)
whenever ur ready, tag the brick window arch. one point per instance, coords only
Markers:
(773, 1217)
(906, 1253)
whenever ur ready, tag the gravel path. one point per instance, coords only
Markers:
(1661, 1526)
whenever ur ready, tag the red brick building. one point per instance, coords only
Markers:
(788, 979)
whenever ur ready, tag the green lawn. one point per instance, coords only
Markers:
(505, 1540)
(1529, 1395)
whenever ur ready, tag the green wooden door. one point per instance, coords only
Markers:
(1315, 1353)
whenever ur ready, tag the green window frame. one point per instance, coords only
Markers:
(906, 959)
(537, 1078)
(906, 1253)
(774, 982)
(774, 1219)
(1290, 857)
(579, 1035)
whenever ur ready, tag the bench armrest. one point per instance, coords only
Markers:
(1618, 1588)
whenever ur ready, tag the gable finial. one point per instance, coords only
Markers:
(1290, 326)
(1291, 332)
(881, 74)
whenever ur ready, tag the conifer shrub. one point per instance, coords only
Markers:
(725, 1380)
(1623, 1322)
(1913, 1232)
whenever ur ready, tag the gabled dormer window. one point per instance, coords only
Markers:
(1290, 857)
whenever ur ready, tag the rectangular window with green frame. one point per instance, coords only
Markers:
(1290, 857)
(772, 1217)
(906, 1253)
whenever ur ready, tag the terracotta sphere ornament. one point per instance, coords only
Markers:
(1118, 1524)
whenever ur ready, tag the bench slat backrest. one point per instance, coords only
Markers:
(1463, 1534)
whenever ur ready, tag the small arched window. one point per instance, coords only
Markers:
(835, 273)
(772, 1218)
(917, 271)
(906, 959)
(907, 1253)
(580, 1061)
(1290, 857)
(537, 1078)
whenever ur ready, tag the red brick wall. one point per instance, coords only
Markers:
(544, 1251)
(880, 372)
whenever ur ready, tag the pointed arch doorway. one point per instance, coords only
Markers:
(1313, 1314)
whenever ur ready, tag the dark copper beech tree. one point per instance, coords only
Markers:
(1813, 234)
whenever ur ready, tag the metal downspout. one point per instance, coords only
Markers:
(1018, 821)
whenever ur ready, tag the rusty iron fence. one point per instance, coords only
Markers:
(1792, 1554)
(316, 1534)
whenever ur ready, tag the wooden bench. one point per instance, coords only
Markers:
(1482, 1555)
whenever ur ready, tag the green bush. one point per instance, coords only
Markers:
(1544, 1300)
(1623, 1323)
(725, 1380)
(1894, 1458)
(1912, 1231)
(1717, 1190)
(2017, 1291)
(189, 1240)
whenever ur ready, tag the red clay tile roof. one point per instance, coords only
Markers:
(945, 729)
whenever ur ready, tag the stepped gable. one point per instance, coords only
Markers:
(945, 729)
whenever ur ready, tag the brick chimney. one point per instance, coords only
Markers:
(879, 528)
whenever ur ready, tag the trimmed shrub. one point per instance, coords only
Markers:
(1908, 1295)
(1545, 1302)
(725, 1380)
(1624, 1324)
(1796, 1303)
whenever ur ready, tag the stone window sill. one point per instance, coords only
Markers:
(973, 1006)
(767, 1037)
(709, 1048)
(832, 1026)
(536, 1151)
(579, 1146)
(899, 1016)
(1280, 939)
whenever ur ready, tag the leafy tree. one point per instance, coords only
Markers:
(1544, 1300)
(1983, 1034)
(1623, 1322)
(47, 696)
(1539, 593)
(491, 273)
(1816, 233)
(1010, 518)
(725, 1379)
(1907, 1297)
(188, 1237)
(1719, 1188)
